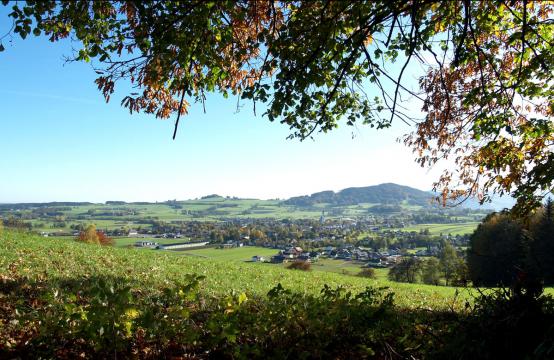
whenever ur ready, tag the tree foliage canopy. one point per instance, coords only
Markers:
(505, 249)
(487, 93)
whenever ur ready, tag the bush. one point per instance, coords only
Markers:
(504, 324)
(105, 239)
(300, 265)
(368, 273)
(92, 236)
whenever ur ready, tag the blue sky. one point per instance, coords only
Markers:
(59, 141)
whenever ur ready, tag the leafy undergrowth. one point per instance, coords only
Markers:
(67, 300)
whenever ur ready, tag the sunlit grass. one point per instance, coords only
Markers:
(34, 256)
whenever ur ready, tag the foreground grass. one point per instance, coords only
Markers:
(62, 260)
(61, 299)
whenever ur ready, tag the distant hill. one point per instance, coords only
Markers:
(388, 194)
(16, 206)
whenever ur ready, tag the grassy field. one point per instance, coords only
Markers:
(351, 268)
(245, 254)
(64, 299)
(445, 229)
(66, 260)
(235, 254)
(126, 241)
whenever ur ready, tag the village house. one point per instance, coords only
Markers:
(374, 256)
(344, 254)
(304, 257)
(314, 255)
(257, 258)
(150, 244)
(375, 264)
(232, 244)
(182, 245)
(293, 251)
(278, 259)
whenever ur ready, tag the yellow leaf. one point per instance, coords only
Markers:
(242, 298)
(132, 313)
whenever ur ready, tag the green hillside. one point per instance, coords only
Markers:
(64, 260)
(63, 299)
(445, 229)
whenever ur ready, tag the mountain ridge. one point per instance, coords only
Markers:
(386, 193)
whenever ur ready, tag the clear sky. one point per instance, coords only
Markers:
(59, 141)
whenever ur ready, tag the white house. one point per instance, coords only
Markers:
(146, 244)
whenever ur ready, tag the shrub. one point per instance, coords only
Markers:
(505, 324)
(89, 235)
(104, 239)
(300, 265)
(368, 273)
(92, 236)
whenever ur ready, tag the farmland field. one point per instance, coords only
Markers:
(141, 215)
(246, 253)
(345, 267)
(453, 229)
(62, 260)
(127, 241)
(234, 254)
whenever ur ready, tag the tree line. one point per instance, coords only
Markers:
(506, 249)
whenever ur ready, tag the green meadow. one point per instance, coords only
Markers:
(225, 270)
(245, 254)
(445, 229)
(234, 254)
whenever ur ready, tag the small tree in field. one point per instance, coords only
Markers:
(448, 261)
(431, 273)
(89, 235)
(407, 270)
(104, 239)
(92, 236)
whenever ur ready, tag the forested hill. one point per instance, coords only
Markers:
(383, 194)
